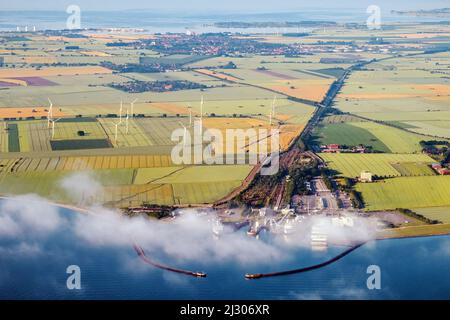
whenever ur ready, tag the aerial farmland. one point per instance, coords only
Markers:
(198, 150)
(116, 99)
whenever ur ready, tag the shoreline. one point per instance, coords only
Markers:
(387, 234)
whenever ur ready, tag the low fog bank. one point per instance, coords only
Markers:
(28, 219)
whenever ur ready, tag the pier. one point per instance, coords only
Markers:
(144, 258)
(306, 269)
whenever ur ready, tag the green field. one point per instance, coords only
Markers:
(436, 213)
(194, 174)
(47, 184)
(122, 187)
(383, 165)
(135, 137)
(410, 92)
(407, 92)
(13, 138)
(413, 169)
(398, 141)
(349, 135)
(406, 192)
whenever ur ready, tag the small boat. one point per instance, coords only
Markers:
(199, 274)
(253, 276)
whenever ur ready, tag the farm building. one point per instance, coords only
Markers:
(440, 169)
(436, 166)
(444, 171)
(366, 176)
(331, 148)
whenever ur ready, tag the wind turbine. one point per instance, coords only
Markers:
(126, 121)
(49, 113)
(132, 107)
(53, 126)
(272, 112)
(115, 133)
(190, 115)
(120, 111)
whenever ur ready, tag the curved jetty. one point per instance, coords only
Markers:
(142, 255)
(317, 266)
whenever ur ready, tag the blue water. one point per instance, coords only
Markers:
(160, 22)
(416, 268)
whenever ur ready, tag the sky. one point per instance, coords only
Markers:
(204, 6)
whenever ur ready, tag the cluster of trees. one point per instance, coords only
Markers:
(135, 67)
(438, 148)
(300, 174)
(346, 186)
(156, 86)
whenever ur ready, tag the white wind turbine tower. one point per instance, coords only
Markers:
(115, 132)
(49, 113)
(120, 111)
(53, 126)
(132, 107)
(272, 112)
(126, 121)
(190, 115)
(116, 124)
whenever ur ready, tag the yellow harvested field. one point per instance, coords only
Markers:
(436, 89)
(283, 117)
(288, 133)
(314, 90)
(171, 108)
(53, 71)
(40, 60)
(234, 123)
(28, 112)
(217, 75)
(95, 53)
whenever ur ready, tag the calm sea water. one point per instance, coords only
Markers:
(416, 268)
(158, 22)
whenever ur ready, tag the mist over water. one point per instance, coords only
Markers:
(38, 242)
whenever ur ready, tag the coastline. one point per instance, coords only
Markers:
(422, 231)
